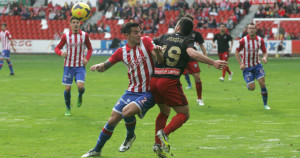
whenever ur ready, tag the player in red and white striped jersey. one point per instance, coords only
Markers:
(76, 41)
(249, 47)
(138, 55)
(5, 38)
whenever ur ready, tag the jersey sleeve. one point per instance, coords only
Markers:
(60, 45)
(241, 45)
(191, 44)
(198, 38)
(263, 46)
(116, 57)
(157, 40)
(8, 35)
(89, 47)
(148, 43)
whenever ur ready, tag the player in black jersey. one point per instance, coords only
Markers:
(165, 82)
(193, 67)
(224, 50)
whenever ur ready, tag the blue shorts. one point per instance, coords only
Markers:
(252, 73)
(144, 101)
(5, 54)
(73, 72)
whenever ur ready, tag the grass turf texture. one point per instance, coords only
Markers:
(232, 123)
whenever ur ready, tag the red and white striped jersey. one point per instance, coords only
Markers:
(76, 44)
(251, 48)
(139, 63)
(5, 37)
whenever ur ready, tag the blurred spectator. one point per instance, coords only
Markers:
(106, 28)
(95, 28)
(223, 5)
(167, 6)
(101, 28)
(230, 24)
(293, 36)
(110, 12)
(89, 28)
(212, 22)
(56, 36)
(172, 23)
(42, 14)
(89, 4)
(246, 6)
(52, 15)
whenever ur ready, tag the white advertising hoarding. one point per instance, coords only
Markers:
(48, 46)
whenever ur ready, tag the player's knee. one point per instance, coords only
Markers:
(68, 88)
(251, 87)
(126, 112)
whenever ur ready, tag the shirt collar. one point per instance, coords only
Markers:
(79, 31)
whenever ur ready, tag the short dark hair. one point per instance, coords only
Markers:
(127, 27)
(186, 26)
(73, 17)
(4, 24)
(189, 16)
(222, 24)
(251, 24)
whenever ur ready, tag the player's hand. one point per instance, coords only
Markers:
(213, 45)
(85, 61)
(229, 51)
(220, 64)
(98, 67)
(264, 60)
(242, 66)
(158, 49)
(64, 54)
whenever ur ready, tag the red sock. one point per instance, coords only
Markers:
(160, 123)
(224, 71)
(199, 89)
(176, 122)
(228, 70)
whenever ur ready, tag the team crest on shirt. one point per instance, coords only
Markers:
(138, 61)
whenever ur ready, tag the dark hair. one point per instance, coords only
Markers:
(189, 16)
(73, 17)
(4, 24)
(127, 27)
(186, 26)
(222, 24)
(251, 24)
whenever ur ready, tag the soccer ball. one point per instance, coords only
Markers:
(81, 11)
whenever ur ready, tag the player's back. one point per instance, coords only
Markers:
(175, 55)
(5, 37)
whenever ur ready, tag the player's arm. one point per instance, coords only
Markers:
(157, 53)
(213, 41)
(203, 49)
(264, 51)
(218, 64)
(237, 54)
(102, 66)
(60, 45)
(90, 49)
(12, 45)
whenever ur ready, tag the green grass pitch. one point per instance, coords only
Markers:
(232, 123)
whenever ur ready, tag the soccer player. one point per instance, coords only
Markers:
(6, 42)
(75, 61)
(224, 50)
(193, 67)
(250, 63)
(138, 55)
(165, 83)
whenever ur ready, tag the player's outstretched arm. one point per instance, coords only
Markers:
(101, 67)
(219, 64)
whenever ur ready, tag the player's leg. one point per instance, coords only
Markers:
(1, 62)
(198, 83)
(249, 77)
(225, 57)
(67, 81)
(260, 73)
(221, 58)
(187, 78)
(7, 55)
(80, 79)
(67, 96)
(105, 134)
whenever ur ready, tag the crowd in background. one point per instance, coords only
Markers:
(278, 10)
